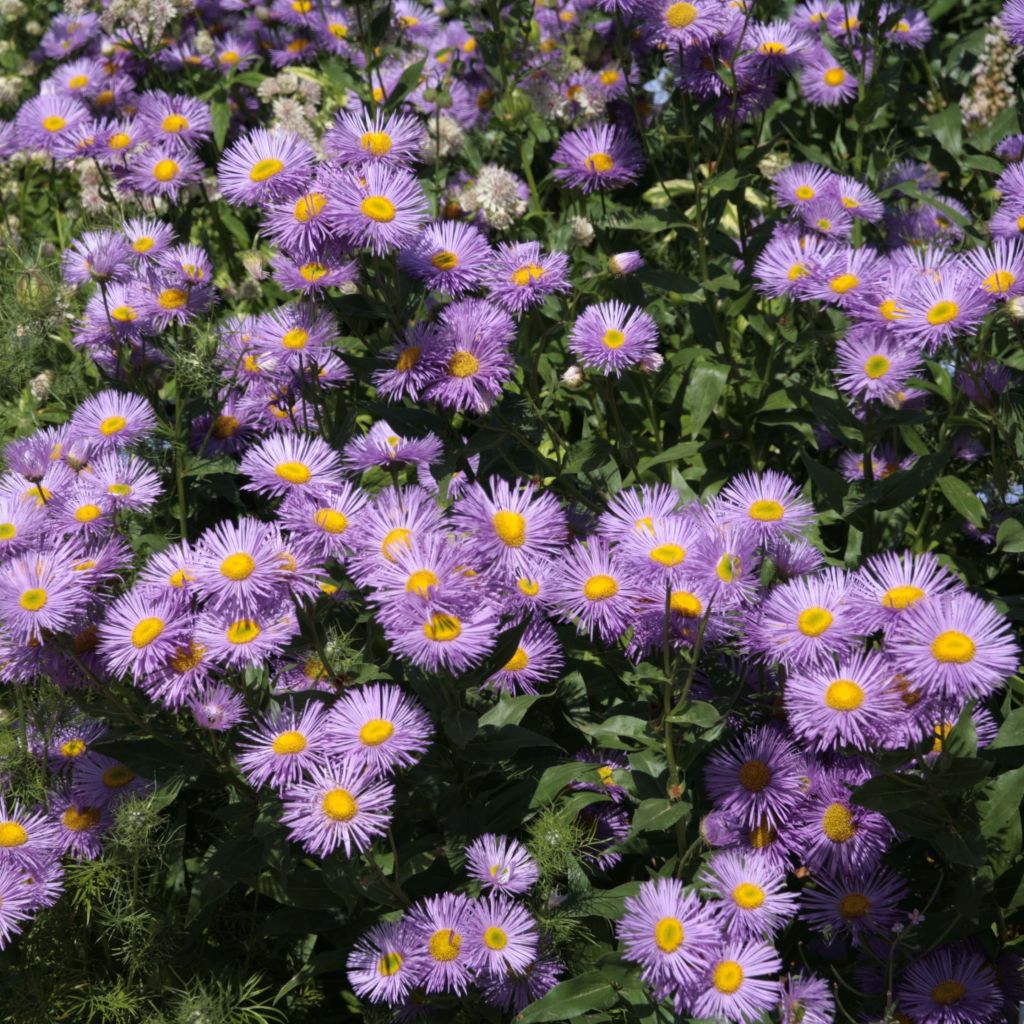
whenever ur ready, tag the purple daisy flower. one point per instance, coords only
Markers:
(852, 705)
(291, 463)
(805, 622)
(337, 807)
(658, 553)
(611, 336)
(635, 510)
(824, 82)
(671, 934)
(181, 120)
(770, 503)
(788, 263)
(755, 903)
(874, 366)
(100, 256)
(760, 778)
(163, 170)
(502, 863)
(359, 137)
(413, 368)
(939, 308)
(111, 419)
(681, 25)
(245, 640)
(777, 45)
(312, 276)
(440, 926)
(382, 447)
(376, 206)
(954, 646)
(264, 166)
(280, 746)
(140, 633)
(802, 183)
(999, 271)
(501, 936)
(859, 906)
(217, 708)
(385, 965)
(427, 574)
(16, 903)
(123, 481)
(520, 276)
(300, 224)
(471, 360)
(322, 521)
(724, 565)
(862, 203)
(39, 592)
(80, 827)
(397, 520)
(513, 525)
(378, 729)
(1011, 20)
(735, 987)
(443, 640)
(513, 992)
(148, 238)
(450, 257)
(537, 659)
(622, 264)
(949, 986)
(594, 590)
(238, 567)
(807, 999)
(46, 119)
(598, 156)
(105, 782)
(28, 839)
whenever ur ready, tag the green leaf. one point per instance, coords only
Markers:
(707, 383)
(510, 710)
(1010, 536)
(963, 499)
(890, 793)
(831, 485)
(658, 815)
(590, 991)
(500, 744)
(220, 114)
(947, 127)
(557, 777)
(1000, 816)
(405, 85)
(956, 774)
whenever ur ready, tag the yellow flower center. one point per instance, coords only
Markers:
(243, 631)
(293, 472)
(174, 123)
(669, 934)
(76, 820)
(295, 339)
(680, 15)
(339, 805)
(444, 260)
(517, 662)
(463, 364)
(495, 938)
(667, 554)
(390, 964)
(748, 896)
(844, 283)
(900, 598)
(331, 520)
(728, 568)
(613, 338)
(522, 276)
(289, 742)
(510, 528)
(767, 510)
(600, 163)
(165, 170)
(408, 359)
(375, 732)
(73, 748)
(891, 311)
(420, 582)
(770, 49)
(797, 271)
(123, 314)
(844, 695)
(849, 202)
(399, 537)
(378, 208)
(942, 312)
(531, 588)
(814, 621)
(239, 566)
(761, 837)
(953, 647)
(8, 531)
(445, 945)
(313, 271)
(87, 513)
(600, 587)
(876, 366)
(54, 123)
(609, 76)
(442, 628)
(948, 992)
(229, 57)
(837, 823)
(804, 193)
(172, 298)
(755, 776)
(113, 425)
(999, 282)
(834, 77)
(853, 905)
(309, 206)
(263, 170)
(12, 834)
(179, 578)
(688, 605)
(117, 776)
(146, 631)
(33, 600)
(185, 659)
(727, 976)
(377, 143)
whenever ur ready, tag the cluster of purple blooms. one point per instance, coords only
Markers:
(445, 944)
(908, 299)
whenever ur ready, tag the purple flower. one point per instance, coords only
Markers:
(537, 659)
(441, 639)
(321, 521)
(681, 25)
(806, 999)
(238, 567)
(46, 119)
(104, 782)
(754, 900)
(39, 592)
(291, 463)
(386, 964)
(874, 366)
(111, 419)
(79, 826)
(378, 729)
(217, 708)
(382, 447)
(735, 987)
(163, 170)
(28, 839)
(244, 640)
(502, 863)
(671, 934)
(520, 276)
(337, 807)
(596, 157)
(440, 926)
(141, 632)
(768, 503)
(451, 257)
(860, 905)
(360, 137)
(413, 368)
(949, 986)
(501, 936)
(282, 745)
(376, 206)
(611, 336)
(16, 904)
(263, 167)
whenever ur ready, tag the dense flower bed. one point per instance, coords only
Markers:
(509, 511)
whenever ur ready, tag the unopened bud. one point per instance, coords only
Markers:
(573, 377)
(623, 263)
